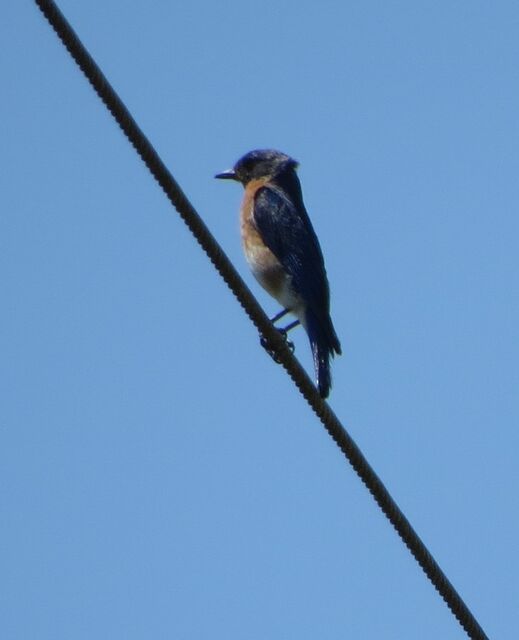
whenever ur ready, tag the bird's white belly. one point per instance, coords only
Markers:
(273, 278)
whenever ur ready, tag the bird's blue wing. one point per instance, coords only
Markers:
(285, 228)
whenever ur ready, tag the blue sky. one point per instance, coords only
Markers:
(160, 475)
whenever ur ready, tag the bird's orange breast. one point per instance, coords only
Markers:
(264, 265)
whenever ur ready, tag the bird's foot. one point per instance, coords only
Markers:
(272, 352)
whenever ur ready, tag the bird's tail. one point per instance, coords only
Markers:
(324, 343)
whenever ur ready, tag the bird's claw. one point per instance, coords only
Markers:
(272, 352)
(289, 343)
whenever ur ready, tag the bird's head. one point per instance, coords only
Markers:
(257, 164)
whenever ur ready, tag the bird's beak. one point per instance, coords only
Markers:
(227, 175)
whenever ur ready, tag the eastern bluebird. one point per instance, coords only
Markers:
(283, 251)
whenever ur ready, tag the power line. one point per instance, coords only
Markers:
(244, 296)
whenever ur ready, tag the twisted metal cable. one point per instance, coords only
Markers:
(244, 296)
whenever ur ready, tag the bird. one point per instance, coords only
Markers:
(283, 252)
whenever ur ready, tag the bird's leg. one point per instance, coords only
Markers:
(283, 332)
(290, 326)
(279, 315)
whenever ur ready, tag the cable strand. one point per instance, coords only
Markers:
(244, 296)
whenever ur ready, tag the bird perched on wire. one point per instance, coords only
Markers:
(283, 251)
